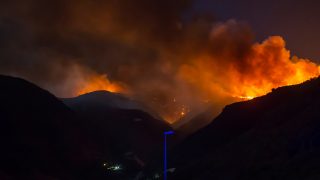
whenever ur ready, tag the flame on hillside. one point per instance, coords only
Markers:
(266, 66)
(230, 68)
(99, 82)
(223, 79)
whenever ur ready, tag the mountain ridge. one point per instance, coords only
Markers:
(42, 138)
(257, 139)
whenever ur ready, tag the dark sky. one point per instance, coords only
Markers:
(297, 21)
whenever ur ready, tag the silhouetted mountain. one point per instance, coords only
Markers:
(276, 136)
(112, 116)
(41, 138)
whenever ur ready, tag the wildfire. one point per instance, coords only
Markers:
(175, 113)
(209, 79)
(266, 66)
(99, 82)
(184, 110)
(245, 97)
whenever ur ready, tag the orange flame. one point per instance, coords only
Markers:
(99, 82)
(267, 65)
(271, 67)
(221, 79)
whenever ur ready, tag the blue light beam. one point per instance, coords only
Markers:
(165, 153)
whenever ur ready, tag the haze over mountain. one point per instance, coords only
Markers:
(103, 98)
(108, 100)
(190, 125)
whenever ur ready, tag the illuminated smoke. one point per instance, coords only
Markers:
(144, 49)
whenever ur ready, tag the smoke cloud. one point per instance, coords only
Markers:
(153, 51)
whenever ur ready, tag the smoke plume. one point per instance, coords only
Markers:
(154, 51)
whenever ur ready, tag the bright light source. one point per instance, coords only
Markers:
(115, 168)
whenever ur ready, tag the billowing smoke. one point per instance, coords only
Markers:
(155, 51)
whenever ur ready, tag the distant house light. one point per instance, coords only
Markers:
(115, 168)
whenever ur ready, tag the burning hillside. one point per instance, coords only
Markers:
(98, 82)
(174, 63)
(265, 66)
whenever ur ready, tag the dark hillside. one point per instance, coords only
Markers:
(276, 136)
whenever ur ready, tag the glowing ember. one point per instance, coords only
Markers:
(176, 113)
(183, 111)
(245, 97)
